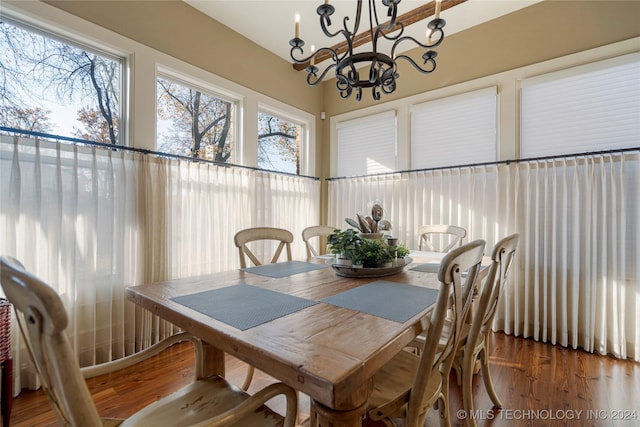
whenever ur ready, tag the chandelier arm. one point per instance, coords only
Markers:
(373, 17)
(325, 28)
(400, 31)
(333, 54)
(357, 23)
(440, 34)
(375, 93)
(381, 30)
(291, 54)
(318, 79)
(430, 61)
(392, 13)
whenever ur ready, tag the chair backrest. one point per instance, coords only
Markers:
(485, 309)
(458, 275)
(454, 233)
(43, 320)
(315, 231)
(262, 233)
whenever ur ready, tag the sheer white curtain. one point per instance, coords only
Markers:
(575, 280)
(476, 198)
(91, 222)
(580, 228)
(206, 205)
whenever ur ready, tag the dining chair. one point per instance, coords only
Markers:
(411, 383)
(210, 401)
(248, 235)
(475, 340)
(315, 231)
(451, 233)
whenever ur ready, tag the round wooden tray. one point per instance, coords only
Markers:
(350, 271)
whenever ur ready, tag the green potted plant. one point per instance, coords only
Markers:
(398, 252)
(373, 253)
(344, 244)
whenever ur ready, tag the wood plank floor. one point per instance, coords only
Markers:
(539, 384)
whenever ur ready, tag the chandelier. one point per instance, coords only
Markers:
(355, 71)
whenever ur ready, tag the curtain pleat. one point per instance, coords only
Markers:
(574, 281)
(91, 222)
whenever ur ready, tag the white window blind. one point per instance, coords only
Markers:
(456, 130)
(595, 107)
(367, 145)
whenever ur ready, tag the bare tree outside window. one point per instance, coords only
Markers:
(193, 123)
(48, 85)
(278, 144)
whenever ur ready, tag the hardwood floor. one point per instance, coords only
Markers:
(539, 384)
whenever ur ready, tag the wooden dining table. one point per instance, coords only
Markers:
(326, 351)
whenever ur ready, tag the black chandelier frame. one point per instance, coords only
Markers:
(382, 68)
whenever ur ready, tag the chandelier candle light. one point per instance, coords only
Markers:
(373, 69)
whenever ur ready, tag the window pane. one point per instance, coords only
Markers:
(56, 87)
(367, 145)
(595, 107)
(278, 144)
(456, 130)
(191, 122)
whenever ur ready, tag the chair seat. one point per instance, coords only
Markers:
(394, 380)
(198, 402)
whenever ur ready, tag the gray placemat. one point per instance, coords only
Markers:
(284, 269)
(390, 300)
(427, 267)
(243, 306)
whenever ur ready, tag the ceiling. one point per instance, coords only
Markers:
(270, 23)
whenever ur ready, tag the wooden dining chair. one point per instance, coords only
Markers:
(315, 231)
(210, 401)
(248, 235)
(475, 344)
(411, 383)
(255, 234)
(445, 233)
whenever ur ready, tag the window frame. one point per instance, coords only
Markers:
(192, 82)
(307, 131)
(577, 74)
(365, 120)
(78, 41)
(303, 129)
(467, 98)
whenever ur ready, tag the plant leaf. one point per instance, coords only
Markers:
(353, 223)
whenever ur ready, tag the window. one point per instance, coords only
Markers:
(456, 130)
(56, 86)
(194, 122)
(589, 108)
(279, 143)
(367, 145)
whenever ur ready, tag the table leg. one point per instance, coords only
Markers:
(213, 360)
(7, 391)
(327, 417)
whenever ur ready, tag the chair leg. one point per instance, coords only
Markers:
(486, 375)
(248, 378)
(467, 389)
(443, 408)
(457, 368)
